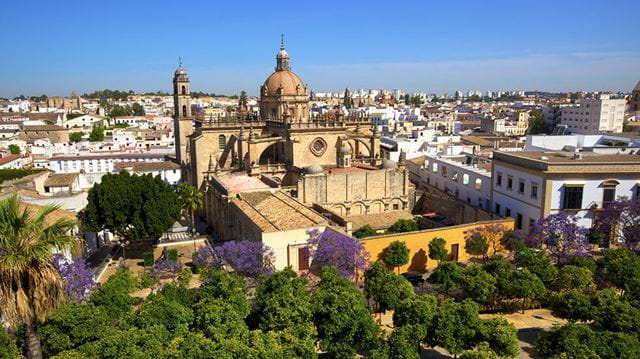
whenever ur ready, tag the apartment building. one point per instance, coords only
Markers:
(594, 115)
(530, 185)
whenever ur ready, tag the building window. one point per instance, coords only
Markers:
(499, 179)
(509, 183)
(478, 184)
(465, 179)
(531, 222)
(521, 186)
(608, 195)
(534, 191)
(222, 142)
(434, 167)
(572, 197)
(444, 171)
(519, 221)
(184, 90)
(507, 212)
(184, 111)
(396, 207)
(497, 208)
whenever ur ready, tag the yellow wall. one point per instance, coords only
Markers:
(418, 243)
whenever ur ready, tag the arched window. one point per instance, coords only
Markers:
(184, 111)
(222, 142)
(184, 90)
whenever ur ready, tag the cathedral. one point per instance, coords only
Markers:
(328, 163)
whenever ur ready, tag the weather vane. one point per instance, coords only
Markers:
(282, 40)
(179, 61)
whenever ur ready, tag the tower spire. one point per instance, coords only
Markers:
(282, 58)
(179, 61)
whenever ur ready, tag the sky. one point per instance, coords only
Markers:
(60, 47)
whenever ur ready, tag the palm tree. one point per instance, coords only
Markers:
(30, 285)
(191, 201)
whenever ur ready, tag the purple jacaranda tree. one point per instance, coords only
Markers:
(331, 248)
(620, 221)
(249, 258)
(77, 278)
(206, 257)
(165, 268)
(561, 235)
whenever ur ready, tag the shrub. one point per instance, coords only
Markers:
(145, 280)
(172, 254)
(584, 262)
(364, 231)
(447, 274)
(148, 258)
(184, 277)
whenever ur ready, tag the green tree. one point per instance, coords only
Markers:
(455, 326)
(97, 134)
(8, 347)
(137, 109)
(365, 231)
(75, 136)
(584, 262)
(119, 111)
(343, 322)
(572, 305)
(571, 341)
(72, 325)
(476, 245)
(229, 287)
(14, 149)
(404, 225)
(536, 123)
(191, 200)
(397, 254)
(482, 351)
(478, 284)
(501, 336)
(502, 270)
(538, 263)
(617, 316)
(438, 249)
(448, 275)
(219, 320)
(385, 288)
(131, 206)
(158, 309)
(30, 285)
(114, 294)
(526, 286)
(416, 310)
(512, 241)
(404, 343)
(572, 277)
(283, 302)
(620, 267)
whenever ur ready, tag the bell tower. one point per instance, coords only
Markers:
(182, 118)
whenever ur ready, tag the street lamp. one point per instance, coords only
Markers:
(123, 244)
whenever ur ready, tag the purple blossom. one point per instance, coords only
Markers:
(561, 235)
(206, 257)
(77, 278)
(331, 248)
(620, 220)
(249, 258)
(166, 269)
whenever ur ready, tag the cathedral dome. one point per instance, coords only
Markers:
(314, 170)
(389, 164)
(289, 82)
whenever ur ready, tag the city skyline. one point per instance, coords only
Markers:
(225, 49)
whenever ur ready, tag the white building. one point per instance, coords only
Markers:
(168, 171)
(85, 121)
(593, 116)
(452, 175)
(530, 185)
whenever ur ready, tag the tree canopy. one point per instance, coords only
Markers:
(131, 206)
